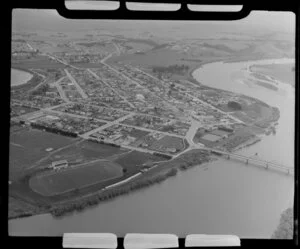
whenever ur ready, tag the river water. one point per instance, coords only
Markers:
(19, 77)
(223, 197)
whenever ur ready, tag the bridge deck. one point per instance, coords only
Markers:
(258, 161)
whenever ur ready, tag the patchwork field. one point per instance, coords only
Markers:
(49, 184)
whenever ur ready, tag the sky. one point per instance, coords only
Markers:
(50, 20)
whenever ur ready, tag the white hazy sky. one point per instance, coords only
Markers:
(50, 20)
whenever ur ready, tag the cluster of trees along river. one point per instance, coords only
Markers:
(80, 205)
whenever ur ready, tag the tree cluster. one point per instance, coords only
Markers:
(234, 105)
(173, 69)
(286, 226)
(79, 205)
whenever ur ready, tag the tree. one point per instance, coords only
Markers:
(286, 226)
(234, 105)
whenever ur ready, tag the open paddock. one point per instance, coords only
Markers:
(168, 142)
(159, 57)
(136, 159)
(42, 62)
(62, 181)
(85, 151)
(29, 145)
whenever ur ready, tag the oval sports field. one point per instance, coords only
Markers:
(59, 182)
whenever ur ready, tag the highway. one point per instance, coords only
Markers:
(60, 90)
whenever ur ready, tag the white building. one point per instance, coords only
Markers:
(62, 164)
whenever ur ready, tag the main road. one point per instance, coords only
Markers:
(60, 90)
(79, 89)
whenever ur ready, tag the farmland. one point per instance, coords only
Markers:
(37, 62)
(55, 183)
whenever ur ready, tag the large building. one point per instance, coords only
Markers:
(62, 164)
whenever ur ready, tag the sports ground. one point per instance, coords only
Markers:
(54, 183)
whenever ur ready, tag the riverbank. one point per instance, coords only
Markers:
(246, 144)
(190, 73)
(143, 182)
(156, 174)
(265, 122)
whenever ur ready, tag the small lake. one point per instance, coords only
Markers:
(19, 77)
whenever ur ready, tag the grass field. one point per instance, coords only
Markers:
(134, 159)
(160, 57)
(37, 62)
(29, 145)
(21, 110)
(168, 142)
(84, 151)
(49, 184)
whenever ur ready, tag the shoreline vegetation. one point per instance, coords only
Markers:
(246, 144)
(285, 228)
(110, 194)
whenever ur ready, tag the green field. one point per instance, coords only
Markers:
(59, 182)
(84, 151)
(159, 57)
(168, 142)
(135, 159)
(29, 145)
(37, 62)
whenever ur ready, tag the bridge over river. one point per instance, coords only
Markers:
(254, 161)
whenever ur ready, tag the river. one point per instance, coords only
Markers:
(223, 197)
(19, 77)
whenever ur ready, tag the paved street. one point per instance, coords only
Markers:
(78, 87)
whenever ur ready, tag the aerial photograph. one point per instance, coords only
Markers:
(152, 126)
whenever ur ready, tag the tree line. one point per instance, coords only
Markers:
(173, 69)
(79, 205)
(54, 130)
(285, 228)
